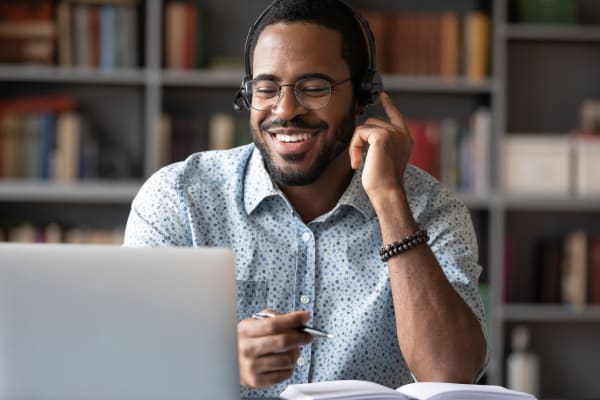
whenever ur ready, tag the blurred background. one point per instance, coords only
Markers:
(503, 102)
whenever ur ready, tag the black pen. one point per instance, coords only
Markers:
(305, 329)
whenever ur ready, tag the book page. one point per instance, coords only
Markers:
(344, 389)
(440, 391)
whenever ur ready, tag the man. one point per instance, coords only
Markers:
(306, 209)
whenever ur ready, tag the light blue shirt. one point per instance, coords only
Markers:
(329, 267)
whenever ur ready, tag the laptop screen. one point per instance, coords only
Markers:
(106, 322)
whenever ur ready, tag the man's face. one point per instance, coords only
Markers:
(296, 143)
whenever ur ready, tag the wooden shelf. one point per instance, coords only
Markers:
(55, 74)
(551, 202)
(438, 84)
(203, 78)
(77, 192)
(552, 32)
(549, 313)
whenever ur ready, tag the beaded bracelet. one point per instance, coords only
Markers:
(400, 246)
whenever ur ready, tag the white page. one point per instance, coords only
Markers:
(346, 389)
(438, 390)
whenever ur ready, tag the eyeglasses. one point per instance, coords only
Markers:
(312, 93)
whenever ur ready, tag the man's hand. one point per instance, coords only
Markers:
(388, 145)
(268, 348)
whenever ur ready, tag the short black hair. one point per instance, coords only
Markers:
(332, 14)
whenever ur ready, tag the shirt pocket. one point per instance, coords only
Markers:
(252, 298)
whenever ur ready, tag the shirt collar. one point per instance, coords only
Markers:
(258, 186)
(356, 197)
(257, 183)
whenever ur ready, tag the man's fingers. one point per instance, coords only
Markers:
(269, 369)
(391, 111)
(278, 323)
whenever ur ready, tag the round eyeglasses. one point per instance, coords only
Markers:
(311, 93)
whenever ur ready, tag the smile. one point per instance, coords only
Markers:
(291, 136)
(295, 138)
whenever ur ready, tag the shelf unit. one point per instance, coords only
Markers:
(518, 100)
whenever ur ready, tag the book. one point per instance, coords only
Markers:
(359, 390)
(38, 104)
(548, 254)
(548, 12)
(586, 164)
(426, 148)
(81, 32)
(449, 44)
(574, 269)
(448, 153)
(378, 23)
(108, 39)
(536, 164)
(175, 31)
(27, 31)
(65, 32)
(594, 270)
(589, 117)
(39, 10)
(190, 37)
(481, 135)
(9, 131)
(476, 45)
(127, 34)
(68, 139)
(221, 131)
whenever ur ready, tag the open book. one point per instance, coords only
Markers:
(363, 390)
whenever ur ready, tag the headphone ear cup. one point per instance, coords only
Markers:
(241, 101)
(370, 88)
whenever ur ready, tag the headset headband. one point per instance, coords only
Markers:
(371, 84)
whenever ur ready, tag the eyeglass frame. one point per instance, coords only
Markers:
(248, 93)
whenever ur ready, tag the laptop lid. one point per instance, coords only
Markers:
(107, 322)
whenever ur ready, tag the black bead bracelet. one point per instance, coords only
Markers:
(400, 246)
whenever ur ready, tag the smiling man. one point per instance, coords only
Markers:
(307, 208)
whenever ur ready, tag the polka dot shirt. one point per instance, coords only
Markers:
(329, 267)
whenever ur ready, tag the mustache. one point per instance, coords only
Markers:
(293, 123)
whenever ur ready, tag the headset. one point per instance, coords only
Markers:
(371, 84)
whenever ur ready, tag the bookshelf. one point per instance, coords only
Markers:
(526, 91)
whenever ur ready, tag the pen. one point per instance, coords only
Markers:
(306, 329)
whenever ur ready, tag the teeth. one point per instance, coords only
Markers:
(293, 138)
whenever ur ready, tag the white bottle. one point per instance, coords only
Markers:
(523, 366)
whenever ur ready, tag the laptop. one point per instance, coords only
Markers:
(107, 322)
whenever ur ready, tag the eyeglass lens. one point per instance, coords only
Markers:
(312, 93)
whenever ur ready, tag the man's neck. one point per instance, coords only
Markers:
(319, 197)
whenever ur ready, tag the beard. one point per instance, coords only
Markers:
(283, 176)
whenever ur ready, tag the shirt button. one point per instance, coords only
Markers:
(300, 362)
(306, 236)
(304, 299)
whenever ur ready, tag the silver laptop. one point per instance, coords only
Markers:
(106, 322)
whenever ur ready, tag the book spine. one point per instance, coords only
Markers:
(190, 37)
(127, 50)
(108, 45)
(574, 269)
(477, 43)
(221, 132)
(68, 137)
(65, 33)
(594, 270)
(46, 146)
(174, 34)
(449, 45)
(81, 24)
(426, 148)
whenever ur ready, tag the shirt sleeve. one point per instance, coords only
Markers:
(158, 213)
